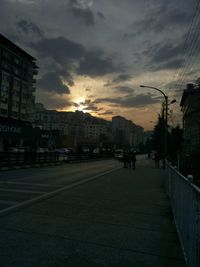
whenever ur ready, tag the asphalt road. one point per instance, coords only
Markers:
(100, 215)
(19, 186)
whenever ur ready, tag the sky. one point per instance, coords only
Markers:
(94, 55)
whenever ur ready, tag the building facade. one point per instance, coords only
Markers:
(126, 133)
(74, 127)
(17, 70)
(190, 105)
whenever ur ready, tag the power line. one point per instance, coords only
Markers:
(188, 44)
(189, 47)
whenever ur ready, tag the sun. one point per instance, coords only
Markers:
(78, 103)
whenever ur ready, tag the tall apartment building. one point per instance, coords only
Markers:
(17, 70)
(126, 133)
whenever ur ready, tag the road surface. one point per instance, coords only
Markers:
(103, 215)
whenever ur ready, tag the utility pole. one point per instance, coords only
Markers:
(166, 120)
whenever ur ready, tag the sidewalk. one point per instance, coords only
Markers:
(121, 219)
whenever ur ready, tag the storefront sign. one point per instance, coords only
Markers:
(9, 129)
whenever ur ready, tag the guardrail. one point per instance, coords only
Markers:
(18, 158)
(23, 158)
(185, 202)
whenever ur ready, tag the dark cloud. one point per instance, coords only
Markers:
(51, 82)
(161, 19)
(140, 100)
(124, 89)
(165, 52)
(55, 101)
(122, 78)
(76, 105)
(66, 76)
(28, 27)
(100, 15)
(74, 56)
(92, 107)
(95, 64)
(85, 15)
(62, 50)
(165, 56)
(88, 105)
(81, 12)
(107, 112)
(170, 65)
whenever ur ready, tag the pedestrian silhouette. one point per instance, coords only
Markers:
(157, 159)
(125, 159)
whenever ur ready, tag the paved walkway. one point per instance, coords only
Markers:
(121, 219)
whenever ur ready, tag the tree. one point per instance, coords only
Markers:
(158, 135)
(175, 139)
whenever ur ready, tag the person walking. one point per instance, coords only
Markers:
(125, 159)
(157, 159)
(133, 159)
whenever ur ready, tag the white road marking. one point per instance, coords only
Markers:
(53, 193)
(6, 202)
(31, 184)
(22, 191)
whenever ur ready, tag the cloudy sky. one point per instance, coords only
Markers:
(94, 54)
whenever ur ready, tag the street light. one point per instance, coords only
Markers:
(166, 116)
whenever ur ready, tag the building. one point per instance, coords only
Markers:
(74, 127)
(17, 70)
(190, 106)
(94, 131)
(126, 133)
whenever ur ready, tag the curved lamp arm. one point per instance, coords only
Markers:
(144, 86)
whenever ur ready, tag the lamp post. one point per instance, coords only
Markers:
(166, 117)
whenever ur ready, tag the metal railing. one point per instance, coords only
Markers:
(185, 203)
(18, 158)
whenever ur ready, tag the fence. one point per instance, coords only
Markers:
(185, 202)
(18, 158)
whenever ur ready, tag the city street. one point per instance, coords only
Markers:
(22, 185)
(99, 214)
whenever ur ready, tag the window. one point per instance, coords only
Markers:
(5, 77)
(4, 100)
(15, 114)
(16, 93)
(5, 66)
(16, 82)
(4, 89)
(6, 54)
(17, 61)
(4, 111)
(16, 72)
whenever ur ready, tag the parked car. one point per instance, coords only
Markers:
(18, 149)
(64, 153)
(119, 154)
(41, 149)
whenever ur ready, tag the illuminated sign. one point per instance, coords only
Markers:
(9, 129)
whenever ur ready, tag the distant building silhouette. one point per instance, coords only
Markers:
(126, 133)
(190, 104)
